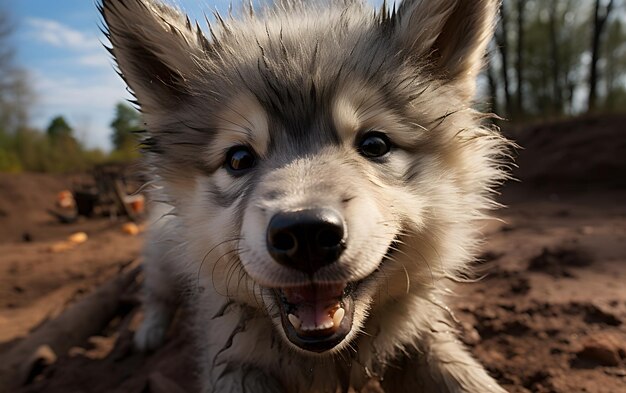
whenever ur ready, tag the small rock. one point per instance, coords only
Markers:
(595, 314)
(43, 357)
(599, 350)
(78, 238)
(618, 372)
(130, 228)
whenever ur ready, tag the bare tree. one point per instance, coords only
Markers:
(521, 13)
(538, 55)
(503, 48)
(556, 57)
(615, 54)
(601, 15)
(6, 50)
(493, 86)
(15, 93)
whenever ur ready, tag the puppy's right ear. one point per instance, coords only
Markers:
(450, 36)
(156, 48)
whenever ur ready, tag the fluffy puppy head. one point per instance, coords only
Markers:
(322, 157)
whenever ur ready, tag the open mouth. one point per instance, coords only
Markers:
(316, 317)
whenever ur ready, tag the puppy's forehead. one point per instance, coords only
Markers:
(305, 119)
(277, 119)
(240, 120)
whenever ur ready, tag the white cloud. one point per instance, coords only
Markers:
(100, 59)
(86, 49)
(88, 103)
(59, 35)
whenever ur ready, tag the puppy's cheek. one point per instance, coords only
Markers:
(222, 179)
(372, 229)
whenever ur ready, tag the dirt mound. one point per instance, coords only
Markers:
(24, 199)
(581, 153)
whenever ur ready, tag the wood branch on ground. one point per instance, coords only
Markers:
(73, 327)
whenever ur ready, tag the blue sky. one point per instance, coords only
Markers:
(58, 42)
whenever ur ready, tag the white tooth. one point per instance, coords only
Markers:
(338, 316)
(295, 321)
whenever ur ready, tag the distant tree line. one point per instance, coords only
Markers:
(57, 149)
(559, 57)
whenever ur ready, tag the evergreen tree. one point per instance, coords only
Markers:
(59, 129)
(127, 121)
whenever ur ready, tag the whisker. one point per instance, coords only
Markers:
(207, 255)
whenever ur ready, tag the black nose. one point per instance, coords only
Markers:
(306, 239)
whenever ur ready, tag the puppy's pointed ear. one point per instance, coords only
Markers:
(156, 49)
(450, 35)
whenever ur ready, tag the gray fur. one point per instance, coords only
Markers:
(300, 83)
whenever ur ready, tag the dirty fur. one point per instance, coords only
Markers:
(299, 83)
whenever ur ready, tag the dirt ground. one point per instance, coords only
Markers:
(548, 316)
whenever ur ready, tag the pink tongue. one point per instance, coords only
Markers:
(314, 304)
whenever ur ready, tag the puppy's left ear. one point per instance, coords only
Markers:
(450, 36)
(156, 48)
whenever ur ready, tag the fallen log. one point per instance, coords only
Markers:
(71, 328)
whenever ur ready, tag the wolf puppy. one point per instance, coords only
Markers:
(319, 174)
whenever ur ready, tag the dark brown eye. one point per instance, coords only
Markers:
(239, 159)
(374, 145)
